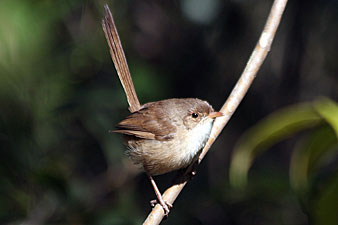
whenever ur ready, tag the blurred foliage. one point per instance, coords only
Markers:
(59, 97)
(313, 168)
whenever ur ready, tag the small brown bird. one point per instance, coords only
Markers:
(167, 135)
(160, 136)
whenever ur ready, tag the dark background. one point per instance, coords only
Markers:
(59, 96)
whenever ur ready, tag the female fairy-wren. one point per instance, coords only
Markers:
(161, 136)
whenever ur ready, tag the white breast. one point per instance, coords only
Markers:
(196, 139)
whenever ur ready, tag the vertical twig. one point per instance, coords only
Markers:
(257, 57)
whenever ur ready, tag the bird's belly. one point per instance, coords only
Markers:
(159, 157)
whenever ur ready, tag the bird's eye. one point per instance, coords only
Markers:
(194, 115)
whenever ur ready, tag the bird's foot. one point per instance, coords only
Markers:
(165, 205)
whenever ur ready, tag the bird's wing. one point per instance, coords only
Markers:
(147, 124)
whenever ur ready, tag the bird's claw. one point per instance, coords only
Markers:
(165, 205)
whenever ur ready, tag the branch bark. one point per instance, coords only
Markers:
(256, 60)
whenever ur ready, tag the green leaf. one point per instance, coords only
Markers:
(276, 127)
(328, 109)
(307, 156)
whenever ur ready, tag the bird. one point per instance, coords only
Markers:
(160, 136)
(167, 135)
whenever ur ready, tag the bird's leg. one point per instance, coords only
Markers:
(166, 206)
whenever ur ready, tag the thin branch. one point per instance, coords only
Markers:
(257, 57)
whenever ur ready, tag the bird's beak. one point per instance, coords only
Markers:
(215, 114)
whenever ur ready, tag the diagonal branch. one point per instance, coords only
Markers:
(256, 60)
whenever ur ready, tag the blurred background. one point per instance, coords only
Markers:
(60, 95)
